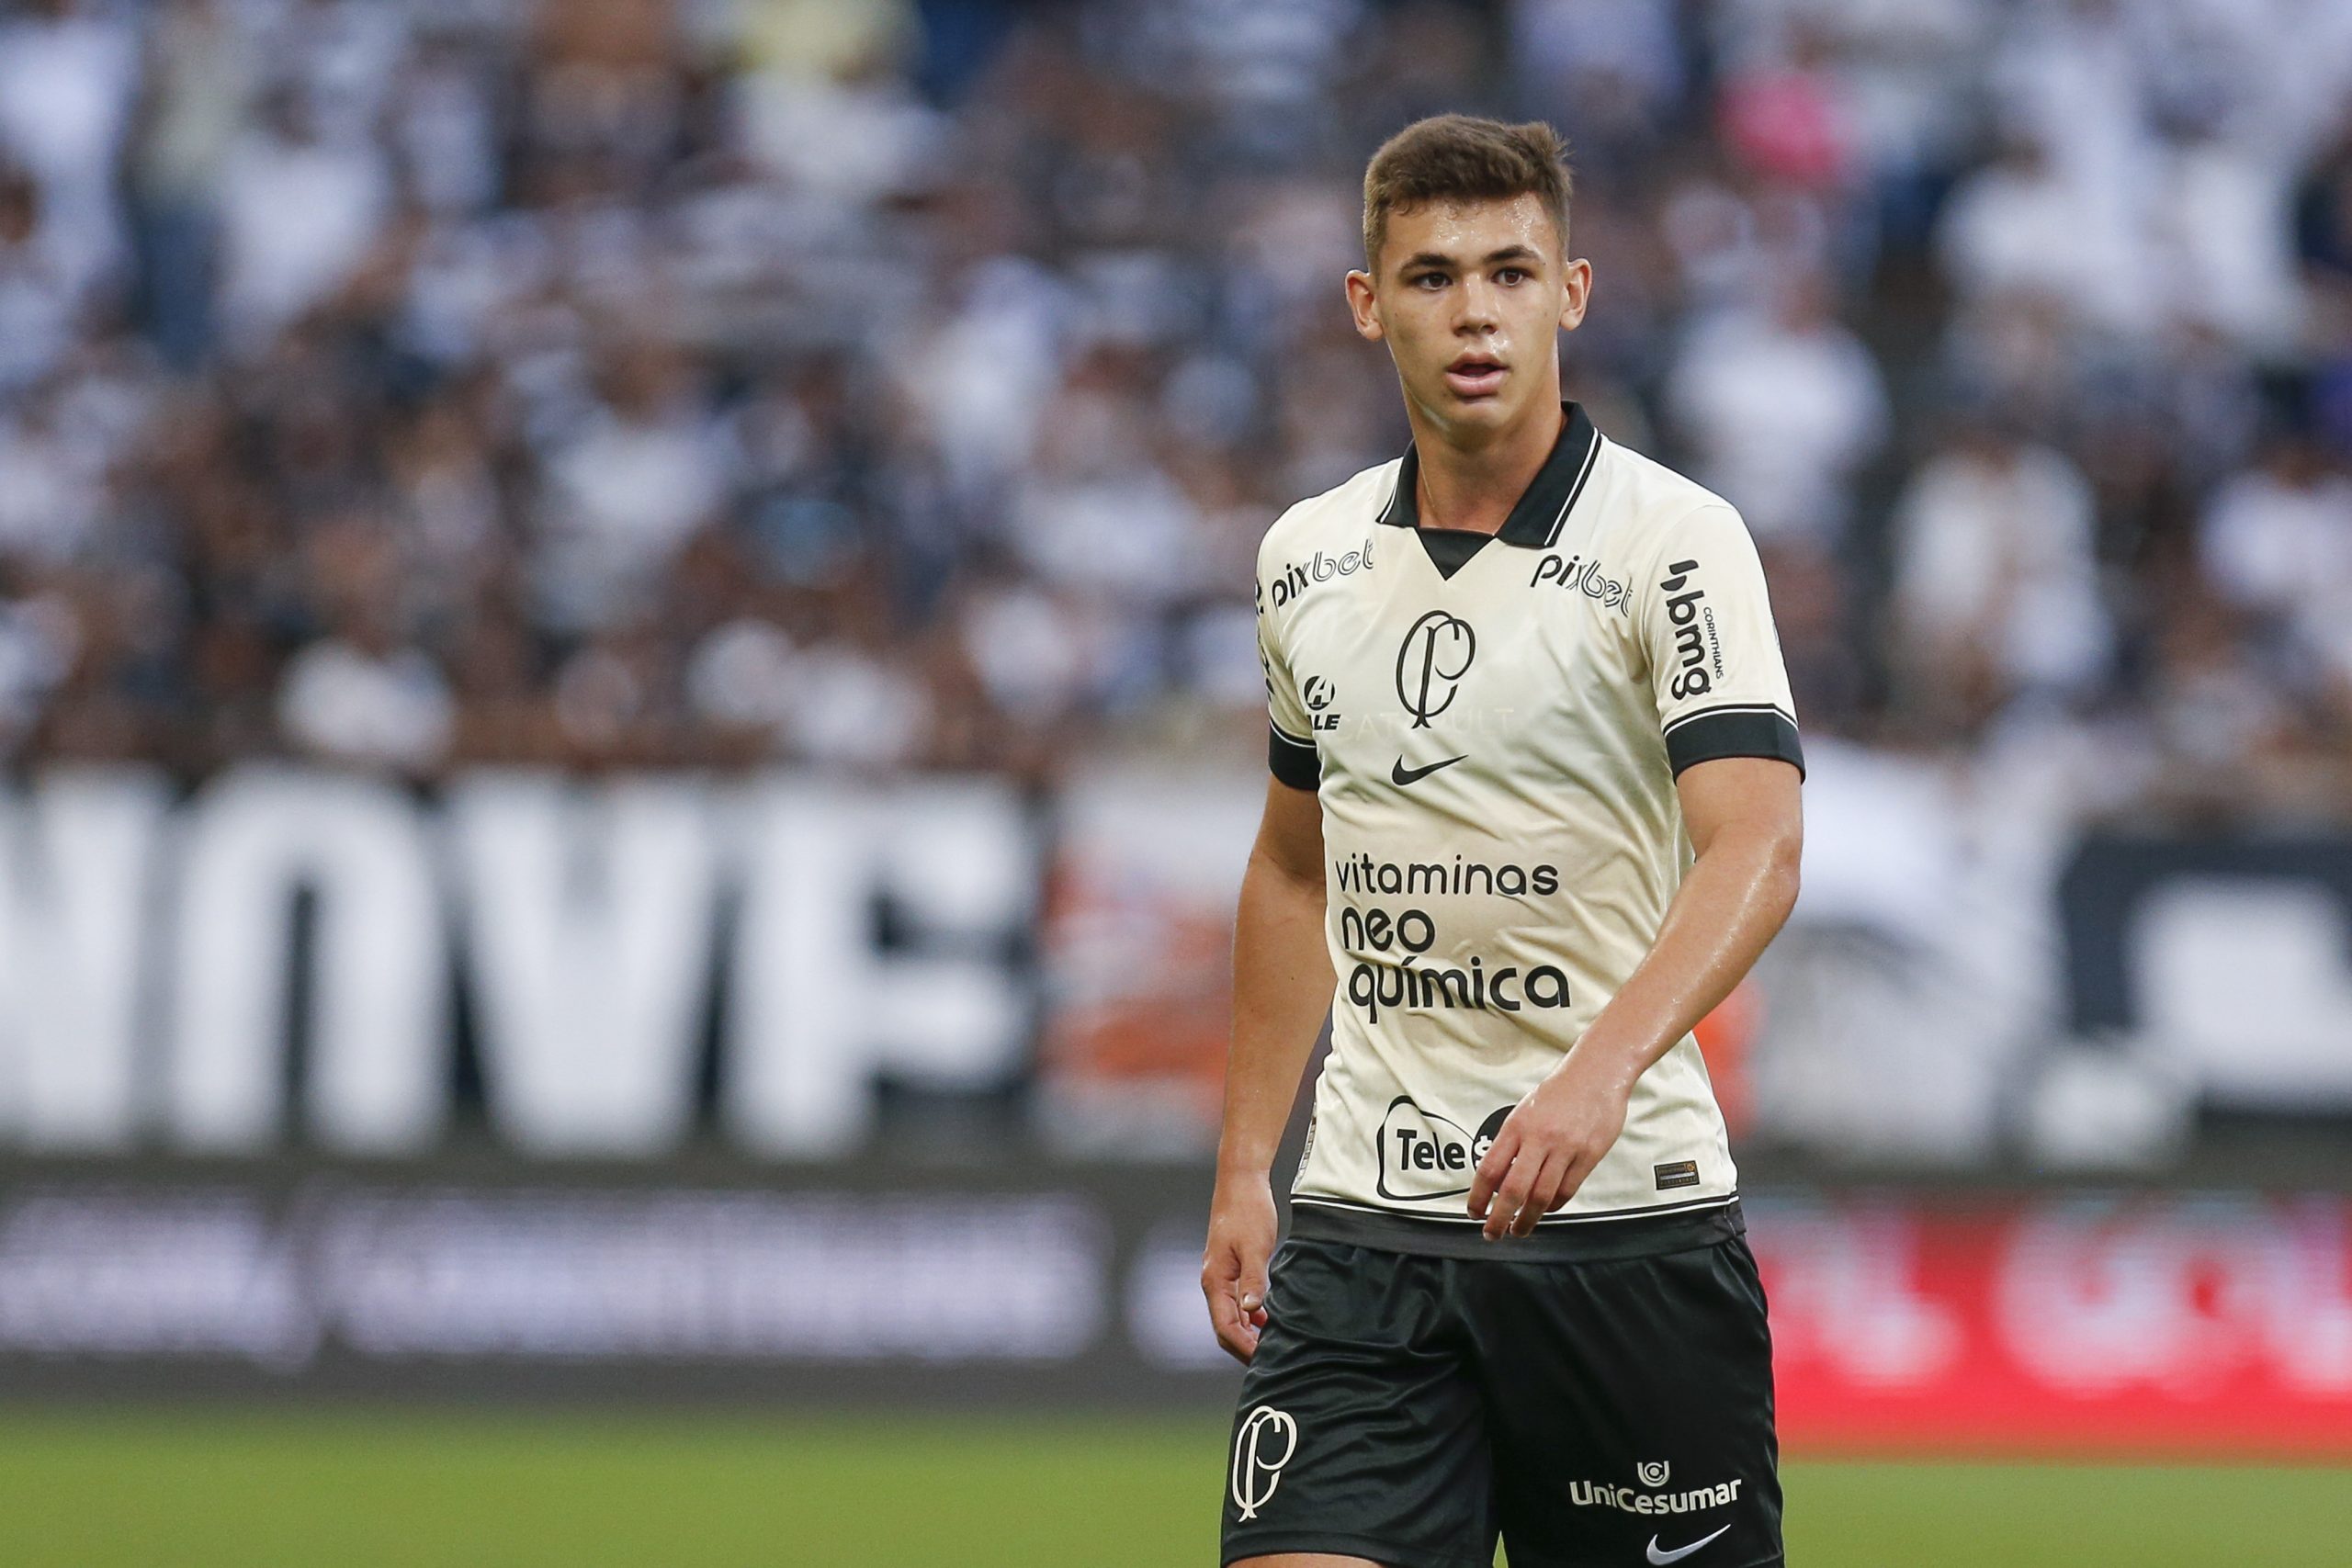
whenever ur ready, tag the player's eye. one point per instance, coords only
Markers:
(1429, 280)
(1512, 275)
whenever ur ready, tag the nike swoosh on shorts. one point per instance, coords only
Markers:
(1662, 1558)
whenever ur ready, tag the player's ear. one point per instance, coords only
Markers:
(1360, 306)
(1575, 291)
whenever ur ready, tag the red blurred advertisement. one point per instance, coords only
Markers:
(2146, 1323)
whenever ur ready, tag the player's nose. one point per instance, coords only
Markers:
(1476, 308)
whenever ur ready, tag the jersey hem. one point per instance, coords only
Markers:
(1587, 1238)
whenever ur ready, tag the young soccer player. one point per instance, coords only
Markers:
(1533, 813)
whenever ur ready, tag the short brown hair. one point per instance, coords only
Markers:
(1459, 157)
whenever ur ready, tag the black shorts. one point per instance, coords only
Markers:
(1614, 1412)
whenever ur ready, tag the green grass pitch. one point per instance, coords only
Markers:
(375, 1489)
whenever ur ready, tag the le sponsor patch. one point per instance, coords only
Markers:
(1679, 1173)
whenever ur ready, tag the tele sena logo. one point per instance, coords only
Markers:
(1424, 1156)
(1417, 1153)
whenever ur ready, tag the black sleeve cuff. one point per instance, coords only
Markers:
(1732, 732)
(1295, 762)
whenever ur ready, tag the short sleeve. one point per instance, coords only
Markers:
(1715, 667)
(1290, 736)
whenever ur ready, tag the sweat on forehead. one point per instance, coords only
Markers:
(1477, 234)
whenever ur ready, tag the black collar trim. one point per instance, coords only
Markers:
(1543, 511)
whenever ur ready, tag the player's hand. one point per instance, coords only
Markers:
(1548, 1145)
(1233, 1273)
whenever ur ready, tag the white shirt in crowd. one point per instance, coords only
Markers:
(386, 710)
(1782, 408)
(2280, 546)
(1994, 549)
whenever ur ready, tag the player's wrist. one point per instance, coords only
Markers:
(1244, 1167)
(1601, 1065)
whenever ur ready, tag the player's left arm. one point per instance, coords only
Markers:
(1704, 619)
(1746, 826)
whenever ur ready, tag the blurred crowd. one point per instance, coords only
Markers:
(878, 384)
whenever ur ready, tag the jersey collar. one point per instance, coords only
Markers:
(1535, 523)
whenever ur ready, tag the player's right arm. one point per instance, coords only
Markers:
(1282, 988)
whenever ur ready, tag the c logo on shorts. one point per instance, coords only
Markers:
(1651, 1472)
(1252, 1464)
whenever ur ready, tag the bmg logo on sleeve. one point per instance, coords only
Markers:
(1699, 652)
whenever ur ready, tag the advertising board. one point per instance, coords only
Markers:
(2056, 1322)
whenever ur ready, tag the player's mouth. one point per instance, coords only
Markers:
(1476, 376)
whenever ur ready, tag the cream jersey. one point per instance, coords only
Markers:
(1494, 726)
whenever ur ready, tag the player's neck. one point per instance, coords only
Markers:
(1474, 489)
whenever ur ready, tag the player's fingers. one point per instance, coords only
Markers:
(1249, 1291)
(1492, 1170)
(1566, 1180)
(1235, 1332)
(1571, 1178)
(1511, 1197)
(1539, 1196)
(1222, 1308)
(1219, 1275)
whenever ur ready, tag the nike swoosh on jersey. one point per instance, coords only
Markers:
(1401, 775)
(1662, 1558)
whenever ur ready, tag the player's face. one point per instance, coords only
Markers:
(1468, 295)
